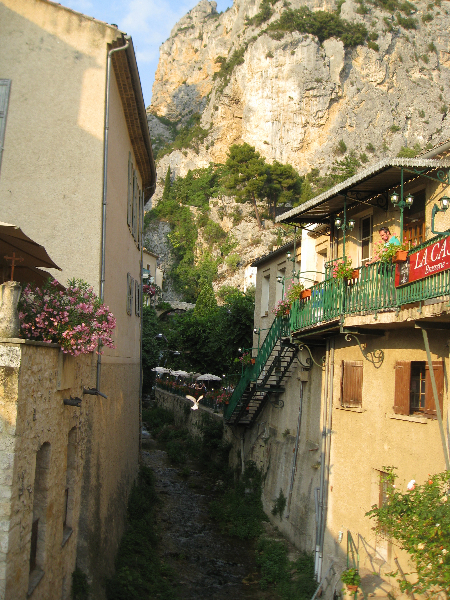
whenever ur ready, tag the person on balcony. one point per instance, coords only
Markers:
(388, 238)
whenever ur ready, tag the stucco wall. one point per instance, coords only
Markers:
(35, 378)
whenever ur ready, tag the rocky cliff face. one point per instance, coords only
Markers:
(294, 98)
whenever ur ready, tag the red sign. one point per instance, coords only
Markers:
(423, 263)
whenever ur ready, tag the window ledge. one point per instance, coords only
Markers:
(350, 408)
(67, 532)
(35, 577)
(410, 418)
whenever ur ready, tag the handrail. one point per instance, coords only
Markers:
(279, 328)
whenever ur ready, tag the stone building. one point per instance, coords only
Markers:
(76, 170)
(343, 387)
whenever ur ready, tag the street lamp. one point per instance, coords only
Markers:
(444, 204)
(402, 203)
(342, 223)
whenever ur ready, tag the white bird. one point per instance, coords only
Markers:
(195, 407)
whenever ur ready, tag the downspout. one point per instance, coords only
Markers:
(325, 459)
(294, 460)
(436, 398)
(317, 553)
(105, 183)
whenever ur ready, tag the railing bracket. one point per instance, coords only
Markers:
(309, 360)
(376, 357)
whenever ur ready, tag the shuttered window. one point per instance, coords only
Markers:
(137, 298)
(351, 383)
(135, 205)
(438, 369)
(402, 387)
(5, 86)
(130, 192)
(130, 293)
(413, 389)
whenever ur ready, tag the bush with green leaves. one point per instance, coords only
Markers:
(417, 518)
(322, 24)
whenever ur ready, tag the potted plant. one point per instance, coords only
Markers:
(305, 294)
(342, 268)
(351, 578)
(391, 253)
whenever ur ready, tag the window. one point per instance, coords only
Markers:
(130, 293)
(137, 298)
(351, 383)
(413, 389)
(5, 86)
(366, 239)
(130, 192)
(265, 295)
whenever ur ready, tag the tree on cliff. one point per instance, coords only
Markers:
(284, 185)
(246, 175)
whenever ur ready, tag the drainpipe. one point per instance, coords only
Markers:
(325, 458)
(294, 460)
(436, 398)
(105, 183)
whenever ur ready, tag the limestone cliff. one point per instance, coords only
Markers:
(294, 98)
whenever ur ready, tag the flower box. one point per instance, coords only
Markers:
(305, 294)
(253, 360)
(400, 256)
(352, 588)
(355, 274)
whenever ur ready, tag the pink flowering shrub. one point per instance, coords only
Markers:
(74, 318)
(342, 269)
(149, 289)
(292, 293)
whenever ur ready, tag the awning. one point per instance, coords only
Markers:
(370, 187)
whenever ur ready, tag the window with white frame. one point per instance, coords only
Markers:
(265, 295)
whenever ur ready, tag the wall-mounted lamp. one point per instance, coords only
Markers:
(444, 202)
(397, 200)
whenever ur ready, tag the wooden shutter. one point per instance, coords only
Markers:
(438, 369)
(351, 383)
(402, 387)
(5, 85)
(130, 192)
(135, 205)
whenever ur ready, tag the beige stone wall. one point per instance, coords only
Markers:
(51, 185)
(35, 378)
(181, 407)
(51, 179)
(368, 439)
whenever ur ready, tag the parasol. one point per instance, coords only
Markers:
(161, 370)
(22, 255)
(209, 377)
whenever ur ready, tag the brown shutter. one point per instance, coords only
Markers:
(438, 368)
(351, 382)
(402, 387)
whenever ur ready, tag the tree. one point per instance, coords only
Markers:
(150, 349)
(206, 301)
(167, 185)
(246, 175)
(284, 185)
(419, 520)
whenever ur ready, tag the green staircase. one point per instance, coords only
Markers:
(263, 380)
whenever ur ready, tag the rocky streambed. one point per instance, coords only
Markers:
(208, 565)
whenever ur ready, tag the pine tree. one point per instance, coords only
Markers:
(167, 185)
(246, 175)
(206, 301)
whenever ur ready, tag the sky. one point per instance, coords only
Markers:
(147, 21)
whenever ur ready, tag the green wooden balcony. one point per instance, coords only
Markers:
(371, 292)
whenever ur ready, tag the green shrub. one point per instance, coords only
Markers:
(370, 147)
(321, 24)
(232, 261)
(373, 46)
(406, 22)
(409, 152)
(427, 17)
(341, 147)
(394, 128)
(279, 505)
(80, 585)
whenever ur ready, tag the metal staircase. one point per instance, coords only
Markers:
(265, 378)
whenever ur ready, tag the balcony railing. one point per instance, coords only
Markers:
(372, 291)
